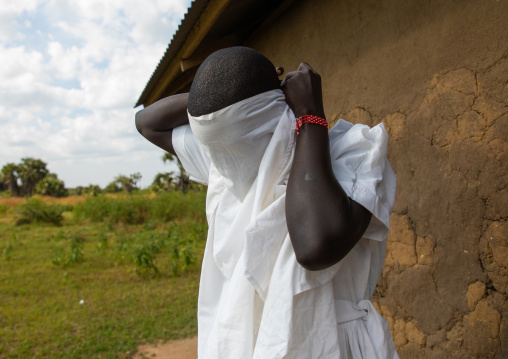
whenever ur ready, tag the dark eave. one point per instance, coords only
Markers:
(190, 18)
(209, 25)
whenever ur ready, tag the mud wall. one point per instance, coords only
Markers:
(436, 73)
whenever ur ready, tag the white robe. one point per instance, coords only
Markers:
(255, 300)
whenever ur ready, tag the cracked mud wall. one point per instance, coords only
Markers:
(436, 74)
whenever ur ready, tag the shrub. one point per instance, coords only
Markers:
(182, 250)
(140, 208)
(73, 255)
(3, 209)
(103, 242)
(35, 210)
(76, 252)
(7, 251)
(167, 206)
(177, 247)
(145, 250)
(127, 209)
(51, 186)
(142, 249)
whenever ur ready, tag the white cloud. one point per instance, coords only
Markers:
(9, 28)
(71, 73)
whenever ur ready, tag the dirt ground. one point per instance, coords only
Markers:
(175, 349)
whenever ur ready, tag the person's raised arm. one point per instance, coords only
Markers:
(157, 121)
(323, 222)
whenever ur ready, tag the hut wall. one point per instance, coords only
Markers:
(436, 74)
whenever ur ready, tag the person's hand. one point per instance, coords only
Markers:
(302, 89)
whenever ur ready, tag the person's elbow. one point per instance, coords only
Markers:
(326, 248)
(319, 259)
(138, 120)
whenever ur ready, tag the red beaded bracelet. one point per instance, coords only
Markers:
(309, 119)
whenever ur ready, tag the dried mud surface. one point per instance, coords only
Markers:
(445, 282)
(175, 349)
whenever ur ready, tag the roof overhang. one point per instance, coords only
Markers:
(209, 25)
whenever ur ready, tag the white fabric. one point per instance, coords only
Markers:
(194, 160)
(255, 300)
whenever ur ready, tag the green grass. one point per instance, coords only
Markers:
(125, 302)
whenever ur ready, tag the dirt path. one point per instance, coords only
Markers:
(174, 349)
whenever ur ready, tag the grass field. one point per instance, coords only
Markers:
(98, 286)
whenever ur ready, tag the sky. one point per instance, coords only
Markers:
(71, 72)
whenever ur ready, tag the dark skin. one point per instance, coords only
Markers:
(323, 222)
(157, 121)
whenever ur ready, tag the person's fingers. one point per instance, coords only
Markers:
(305, 66)
(280, 70)
(287, 78)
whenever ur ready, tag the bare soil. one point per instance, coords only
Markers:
(174, 349)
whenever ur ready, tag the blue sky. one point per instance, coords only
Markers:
(70, 74)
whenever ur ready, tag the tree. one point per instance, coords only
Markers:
(92, 190)
(181, 181)
(133, 183)
(78, 191)
(30, 176)
(51, 186)
(10, 178)
(128, 184)
(162, 181)
(30, 172)
(113, 187)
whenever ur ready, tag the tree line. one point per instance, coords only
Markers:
(31, 176)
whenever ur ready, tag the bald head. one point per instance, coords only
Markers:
(228, 76)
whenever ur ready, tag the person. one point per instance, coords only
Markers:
(298, 215)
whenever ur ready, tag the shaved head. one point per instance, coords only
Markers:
(228, 76)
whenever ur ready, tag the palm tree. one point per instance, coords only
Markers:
(182, 181)
(10, 178)
(162, 181)
(127, 183)
(30, 172)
